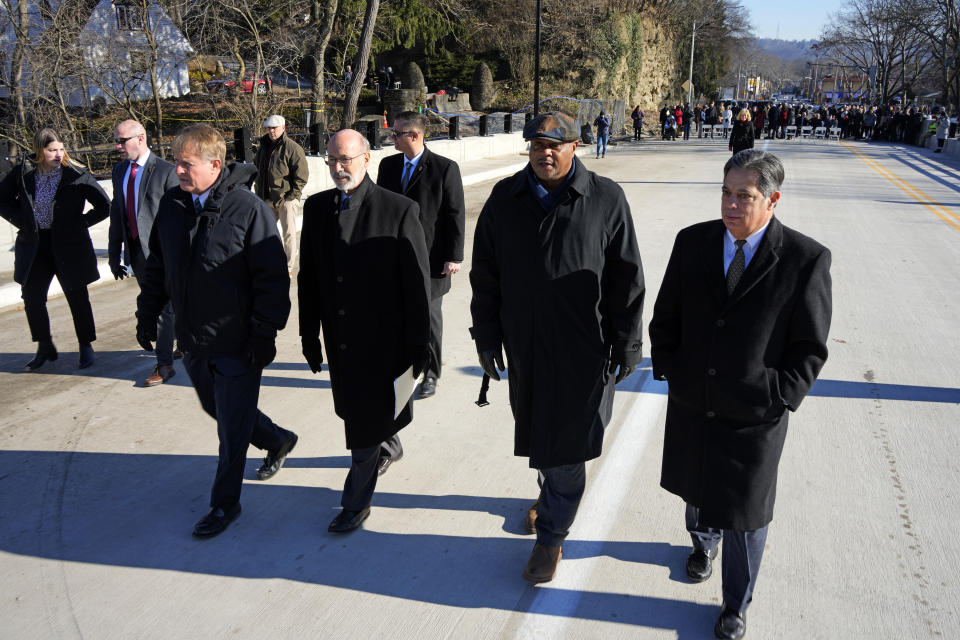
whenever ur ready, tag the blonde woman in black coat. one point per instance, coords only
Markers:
(742, 135)
(46, 204)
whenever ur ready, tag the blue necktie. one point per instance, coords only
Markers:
(407, 170)
(344, 201)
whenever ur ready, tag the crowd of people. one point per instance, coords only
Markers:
(890, 122)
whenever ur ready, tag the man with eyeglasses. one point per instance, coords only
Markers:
(139, 181)
(434, 183)
(363, 282)
(558, 284)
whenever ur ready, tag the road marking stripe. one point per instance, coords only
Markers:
(907, 188)
(599, 510)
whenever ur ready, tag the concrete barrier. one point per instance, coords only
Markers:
(462, 151)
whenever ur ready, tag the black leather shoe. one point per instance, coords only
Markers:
(347, 521)
(45, 351)
(427, 388)
(700, 564)
(274, 460)
(730, 625)
(86, 356)
(385, 462)
(216, 521)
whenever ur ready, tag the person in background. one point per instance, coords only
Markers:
(943, 129)
(602, 123)
(45, 202)
(741, 137)
(139, 182)
(637, 116)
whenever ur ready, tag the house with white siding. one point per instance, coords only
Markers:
(115, 46)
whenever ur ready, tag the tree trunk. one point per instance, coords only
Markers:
(319, 54)
(363, 59)
(22, 30)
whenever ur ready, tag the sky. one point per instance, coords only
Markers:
(797, 20)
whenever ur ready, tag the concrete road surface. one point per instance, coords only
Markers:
(101, 480)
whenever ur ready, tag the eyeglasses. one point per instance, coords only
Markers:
(400, 134)
(124, 140)
(343, 162)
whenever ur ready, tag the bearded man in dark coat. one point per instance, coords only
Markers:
(558, 284)
(364, 281)
(739, 332)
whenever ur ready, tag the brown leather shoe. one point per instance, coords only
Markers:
(530, 522)
(161, 373)
(542, 565)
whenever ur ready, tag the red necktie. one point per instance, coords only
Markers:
(132, 201)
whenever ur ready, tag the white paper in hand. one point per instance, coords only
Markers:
(402, 390)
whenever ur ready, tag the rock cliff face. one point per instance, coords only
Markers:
(630, 58)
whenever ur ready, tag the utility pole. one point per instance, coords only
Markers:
(536, 65)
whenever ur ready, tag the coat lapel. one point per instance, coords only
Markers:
(418, 170)
(713, 265)
(147, 170)
(763, 261)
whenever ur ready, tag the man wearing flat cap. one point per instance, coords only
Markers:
(558, 286)
(282, 174)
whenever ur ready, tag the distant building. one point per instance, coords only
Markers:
(114, 48)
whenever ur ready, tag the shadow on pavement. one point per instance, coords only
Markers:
(137, 511)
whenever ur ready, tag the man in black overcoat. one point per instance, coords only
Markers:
(363, 281)
(434, 183)
(739, 332)
(132, 213)
(558, 284)
(215, 254)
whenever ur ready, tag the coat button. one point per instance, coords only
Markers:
(343, 347)
(339, 278)
(341, 312)
(711, 414)
(711, 372)
(720, 322)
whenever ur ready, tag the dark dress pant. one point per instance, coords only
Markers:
(561, 489)
(432, 369)
(164, 346)
(361, 479)
(34, 294)
(229, 389)
(742, 553)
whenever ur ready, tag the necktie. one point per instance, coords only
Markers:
(407, 170)
(737, 265)
(344, 202)
(132, 201)
(197, 207)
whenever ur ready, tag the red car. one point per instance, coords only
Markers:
(230, 85)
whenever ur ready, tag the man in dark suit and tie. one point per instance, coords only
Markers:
(739, 332)
(139, 181)
(434, 183)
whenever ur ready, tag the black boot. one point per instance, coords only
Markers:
(45, 351)
(86, 356)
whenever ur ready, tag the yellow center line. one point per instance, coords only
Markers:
(942, 212)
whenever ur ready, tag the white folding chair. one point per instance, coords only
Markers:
(791, 132)
(820, 132)
(806, 131)
(834, 133)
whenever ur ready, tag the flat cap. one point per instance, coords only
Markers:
(275, 121)
(552, 125)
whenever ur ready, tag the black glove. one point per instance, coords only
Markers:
(261, 351)
(146, 337)
(491, 360)
(623, 374)
(119, 272)
(313, 352)
(421, 356)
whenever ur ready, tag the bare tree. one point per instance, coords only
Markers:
(363, 59)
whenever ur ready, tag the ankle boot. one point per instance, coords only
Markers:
(86, 356)
(45, 351)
